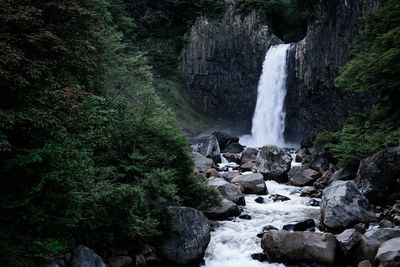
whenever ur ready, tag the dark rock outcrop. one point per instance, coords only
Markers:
(225, 139)
(378, 176)
(187, 242)
(222, 63)
(313, 102)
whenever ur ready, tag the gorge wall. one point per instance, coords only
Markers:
(221, 66)
(222, 63)
(313, 102)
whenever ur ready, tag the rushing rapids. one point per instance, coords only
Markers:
(233, 242)
(269, 115)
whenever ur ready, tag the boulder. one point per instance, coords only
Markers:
(341, 175)
(342, 206)
(249, 166)
(84, 256)
(227, 190)
(300, 177)
(207, 146)
(249, 155)
(259, 257)
(230, 175)
(212, 173)
(251, 183)
(227, 210)
(295, 247)
(189, 238)
(232, 157)
(274, 163)
(365, 263)
(201, 162)
(348, 240)
(225, 139)
(233, 148)
(307, 225)
(320, 162)
(389, 253)
(371, 241)
(378, 176)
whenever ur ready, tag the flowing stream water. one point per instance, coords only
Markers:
(269, 115)
(233, 242)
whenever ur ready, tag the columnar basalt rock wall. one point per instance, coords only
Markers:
(313, 102)
(221, 66)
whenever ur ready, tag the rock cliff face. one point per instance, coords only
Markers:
(221, 66)
(313, 102)
(222, 63)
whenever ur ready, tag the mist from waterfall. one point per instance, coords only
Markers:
(269, 117)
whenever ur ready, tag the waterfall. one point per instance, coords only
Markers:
(269, 117)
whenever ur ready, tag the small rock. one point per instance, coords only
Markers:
(232, 157)
(304, 225)
(313, 203)
(259, 200)
(259, 257)
(212, 173)
(269, 227)
(277, 197)
(245, 217)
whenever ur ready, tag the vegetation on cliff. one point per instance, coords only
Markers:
(374, 68)
(88, 152)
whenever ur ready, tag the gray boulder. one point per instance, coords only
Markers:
(85, 257)
(251, 184)
(295, 247)
(348, 240)
(249, 155)
(378, 176)
(189, 238)
(342, 206)
(207, 146)
(300, 177)
(201, 162)
(371, 241)
(389, 253)
(274, 163)
(225, 139)
(227, 210)
(227, 190)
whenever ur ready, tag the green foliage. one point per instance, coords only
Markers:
(88, 152)
(373, 68)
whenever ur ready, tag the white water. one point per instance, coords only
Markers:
(269, 116)
(233, 242)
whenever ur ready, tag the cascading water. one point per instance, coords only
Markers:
(269, 116)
